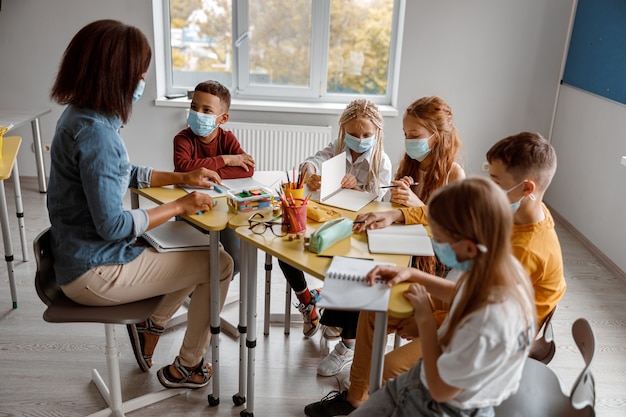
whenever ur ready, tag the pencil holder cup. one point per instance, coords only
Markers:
(293, 192)
(294, 216)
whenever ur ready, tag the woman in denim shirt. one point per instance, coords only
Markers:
(97, 260)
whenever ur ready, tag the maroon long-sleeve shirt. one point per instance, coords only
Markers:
(191, 153)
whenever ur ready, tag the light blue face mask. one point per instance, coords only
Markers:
(515, 206)
(201, 124)
(141, 85)
(359, 145)
(418, 149)
(447, 256)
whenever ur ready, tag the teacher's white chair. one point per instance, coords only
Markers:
(61, 309)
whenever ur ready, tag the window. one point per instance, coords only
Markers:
(289, 50)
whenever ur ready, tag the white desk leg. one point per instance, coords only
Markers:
(214, 259)
(378, 351)
(244, 275)
(19, 210)
(41, 169)
(8, 247)
(251, 340)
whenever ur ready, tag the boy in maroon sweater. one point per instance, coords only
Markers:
(204, 143)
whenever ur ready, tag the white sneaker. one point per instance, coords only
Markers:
(338, 359)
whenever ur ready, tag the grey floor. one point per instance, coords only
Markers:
(46, 367)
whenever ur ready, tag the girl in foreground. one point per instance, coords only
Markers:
(474, 361)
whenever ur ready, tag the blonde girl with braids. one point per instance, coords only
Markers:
(474, 360)
(361, 136)
(368, 168)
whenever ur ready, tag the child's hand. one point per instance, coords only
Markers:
(418, 297)
(201, 178)
(403, 194)
(243, 160)
(392, 274)
(314, 182)
(406, 180)
(349, 181)
(376, 220)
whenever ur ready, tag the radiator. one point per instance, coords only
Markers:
(279, 147)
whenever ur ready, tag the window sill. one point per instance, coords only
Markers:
(278, 106)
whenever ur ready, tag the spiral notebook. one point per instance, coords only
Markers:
(176, 236)
(345, 287)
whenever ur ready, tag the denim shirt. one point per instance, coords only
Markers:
(89, 175)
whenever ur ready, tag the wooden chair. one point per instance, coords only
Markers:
(544, 348)
(540, 393)
(61, 309)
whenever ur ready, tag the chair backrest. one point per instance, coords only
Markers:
(45, 278)
(583, 391)
(62, 309)
(543, 347)
(540, 393)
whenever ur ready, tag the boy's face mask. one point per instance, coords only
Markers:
(202, 124)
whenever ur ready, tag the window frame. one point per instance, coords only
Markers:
(247, 97)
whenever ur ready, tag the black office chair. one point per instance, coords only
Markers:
(61, 309)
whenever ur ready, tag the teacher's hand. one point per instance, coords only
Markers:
(201, 177)
(195, 202)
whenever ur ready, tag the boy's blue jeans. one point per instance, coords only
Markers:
(406, 396)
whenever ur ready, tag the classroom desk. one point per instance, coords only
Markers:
(8, 167)
(293, 253)
(212, 221)
(21, 117)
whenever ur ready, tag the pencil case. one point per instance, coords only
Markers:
(330, 233)
(321, 214)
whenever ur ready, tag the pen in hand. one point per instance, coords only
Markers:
(396, 186)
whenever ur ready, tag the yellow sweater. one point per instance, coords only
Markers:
(537, 247)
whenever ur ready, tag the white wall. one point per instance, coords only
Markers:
(496, 62)
(589, 186)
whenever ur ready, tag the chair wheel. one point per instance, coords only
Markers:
(239, 399)
(212, 400)
(245, 413)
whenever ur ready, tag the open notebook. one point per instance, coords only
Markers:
(400, 239)
(345, 287)
(331, 193)
(260, 179)
(176, 236)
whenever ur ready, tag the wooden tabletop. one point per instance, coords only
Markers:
(10, 147)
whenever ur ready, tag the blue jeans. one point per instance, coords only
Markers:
(406, 396)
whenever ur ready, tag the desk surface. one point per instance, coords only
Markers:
(293, 252)
(20, 117)
(10, 147)
(212, 220)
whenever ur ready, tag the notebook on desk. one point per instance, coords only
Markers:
(400, 239)
(345, 287)
(331, 193)
(176, 236)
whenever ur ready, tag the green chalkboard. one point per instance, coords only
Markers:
(596, 59)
